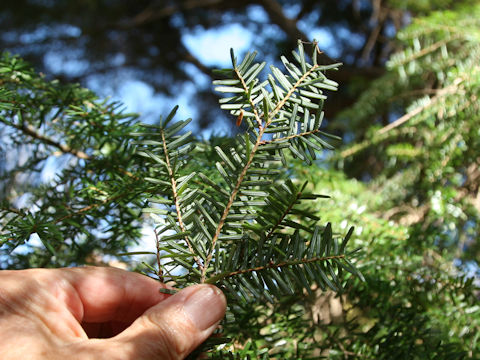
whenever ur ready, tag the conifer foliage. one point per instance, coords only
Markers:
(227, 212)
(248, 232)
(237, 212)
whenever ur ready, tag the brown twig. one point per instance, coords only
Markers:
(292, 90)
(89, 207)
(430, 49)
(159, 265)
(403, 119)
(152, 14)
(272, 265)
(176, 200)
(266, 142)
(441, 93)
(379, 16)
(286, 212)
(252, 105)
(262, 129)
(31, 131)
(233, 195)
(93, 206)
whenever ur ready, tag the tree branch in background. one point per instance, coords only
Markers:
(31, 131)
(289, 26)
(379, 16)
(403, 119)
(440, 94)
(277, 16)
(152, 13)
(191, 59)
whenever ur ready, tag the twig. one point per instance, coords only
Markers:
(262, 129)
(233, 195)
(291, 91)
(272, 265)
(93, 206)
(430, 48)
(13, 210)
(266, 142)
(440, 94)
(252, 105)
(379, 15)
(276, 14)
(159, 265)
(30, 130)
(286, 212)
(176, 200)
(419, 109)
(150, 14)
(89, 207)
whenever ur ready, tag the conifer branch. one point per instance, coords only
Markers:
(31, 131)
(104, 201)
(254, 108)
(271, 265)
(259, 141)
(285, 213)
(90, 207)
(440, 94)
(233, 195)
(159, 265)
(295, 86)
(266, 142)
(176, 200)
(429, 49)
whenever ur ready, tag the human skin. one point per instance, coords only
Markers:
(101, 313)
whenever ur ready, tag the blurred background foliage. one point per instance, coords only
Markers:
(105, 42)
(407, 176)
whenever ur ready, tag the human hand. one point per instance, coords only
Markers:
(101, 313)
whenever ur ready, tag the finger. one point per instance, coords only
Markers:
(110, 294)
(176, 326)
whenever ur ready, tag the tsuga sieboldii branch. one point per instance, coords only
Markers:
(243, 224)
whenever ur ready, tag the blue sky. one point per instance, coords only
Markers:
(212, 48)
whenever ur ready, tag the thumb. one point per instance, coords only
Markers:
(176, 326)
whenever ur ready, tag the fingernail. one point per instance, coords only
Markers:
(205, 306)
